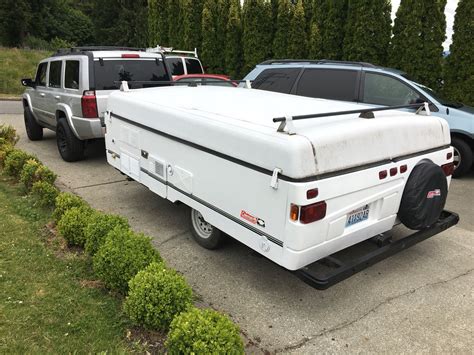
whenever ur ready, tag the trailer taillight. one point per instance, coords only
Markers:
(449, 156)
(313, 193)
(448, 169)
(312, 213)
(403, 169)
(294, 212)
(89, 104)
(393, 171)
(383, 174)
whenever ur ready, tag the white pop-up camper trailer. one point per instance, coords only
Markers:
(291, 177)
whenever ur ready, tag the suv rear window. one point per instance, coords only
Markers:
(175, 65)
(330, 84)
(109, 74)
(193, 66)
(71, 75)
(277, 80)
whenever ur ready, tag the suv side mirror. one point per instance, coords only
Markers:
(28, 82)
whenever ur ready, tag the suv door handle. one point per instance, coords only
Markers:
(57, 97)
(42, 94)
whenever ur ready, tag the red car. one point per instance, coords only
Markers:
(206, 79)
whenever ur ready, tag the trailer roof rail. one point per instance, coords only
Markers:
(317, 61)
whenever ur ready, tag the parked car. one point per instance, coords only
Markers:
(69, 93)
(367, 84)
(206, 79)
(293, 188)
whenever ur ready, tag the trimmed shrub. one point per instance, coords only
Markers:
(123, 254)
(99, 226)
(203, 331)
(5, 149)
(72, 224)
(64, 202)
(45, 193)
(43, 173)
(156, 295)
(28, 172)
(8, 135)
(15, 160)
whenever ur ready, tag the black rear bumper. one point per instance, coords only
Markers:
(336, 268)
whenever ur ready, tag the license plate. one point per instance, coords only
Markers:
(359, 215)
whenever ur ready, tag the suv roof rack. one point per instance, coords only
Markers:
(317, 61)
(63, 51)
(171, 50)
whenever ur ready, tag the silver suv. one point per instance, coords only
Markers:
(69, 93)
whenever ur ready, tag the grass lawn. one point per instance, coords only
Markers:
(48, 299)
(16, 64)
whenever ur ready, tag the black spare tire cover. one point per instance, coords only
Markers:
(424, 196)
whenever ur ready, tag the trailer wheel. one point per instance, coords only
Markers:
(204, 233)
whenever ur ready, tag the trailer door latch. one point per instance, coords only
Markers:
(274, 182)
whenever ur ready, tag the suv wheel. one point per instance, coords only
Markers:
(33, 130)
(70, 148)
(462, 156)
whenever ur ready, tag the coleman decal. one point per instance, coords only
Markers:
(434, 193)
(252, 219)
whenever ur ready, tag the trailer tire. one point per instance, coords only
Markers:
(205, 234)
(424, 196)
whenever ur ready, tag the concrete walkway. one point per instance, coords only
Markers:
(419, 300)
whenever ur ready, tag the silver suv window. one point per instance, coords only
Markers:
(41, 74)
(175, 65)
(55, 74)
(71, 74)
(385, 90)
(193, 66)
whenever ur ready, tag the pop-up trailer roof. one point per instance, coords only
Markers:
(238, 123)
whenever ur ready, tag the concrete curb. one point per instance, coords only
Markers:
(10, 98)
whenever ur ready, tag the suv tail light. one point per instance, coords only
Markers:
(130, 56)
(312, 213)
(89, 104)
(448, 169)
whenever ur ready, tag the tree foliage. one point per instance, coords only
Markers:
(281, 38)
(297, 39)
(233, 42)
(158, 23)
(210, 42)
(192, 16)
(460, 63)
(332, 15)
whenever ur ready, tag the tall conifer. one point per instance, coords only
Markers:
(297, 37)
(283, 23)
(233, 43)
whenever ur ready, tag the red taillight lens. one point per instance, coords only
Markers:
(449, 156)
(448, 169)
(313, 213)
(89, 105)
(393, 171)
(313, 193)
(403, 169)
(130, 56)
(382, 174)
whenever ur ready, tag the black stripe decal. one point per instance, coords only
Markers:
(270, 172)
(215, 209)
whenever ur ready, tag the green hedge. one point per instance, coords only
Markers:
(73, 223)
(15, 160)
(64, 202)
(45, 193)
(99, 226)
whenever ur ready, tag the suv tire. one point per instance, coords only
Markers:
(70, 147)
(463, 153)
(33, 130)
(424, 196)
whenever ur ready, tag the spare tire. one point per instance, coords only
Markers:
(424, 196)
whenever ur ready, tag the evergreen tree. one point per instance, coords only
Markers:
(233, 43)
(222, 18)
(314, 43)
(308, 14)
(192, 13)
(210, 46)
(368, 31)
(416, 46)
(175, 23)
(332, 14)
(157, 23)
(15, 15)
(297, 37)
(257, 32)
(281, 36)
(459, 81)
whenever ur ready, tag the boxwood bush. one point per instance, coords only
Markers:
(72, 224)
(8, 135)
(28, 172)
(203, 331)
(64, 202)
(5, 149)
(123, 254)
(45, 193)
(99, 226)
(15, 160)
(156, 295)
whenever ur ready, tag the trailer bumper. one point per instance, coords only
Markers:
(326, 272)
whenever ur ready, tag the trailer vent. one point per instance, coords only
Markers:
(160, 169)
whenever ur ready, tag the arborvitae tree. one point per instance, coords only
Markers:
(192, 22)
(333, 14)
(15, 16)
(308, 14)
(314, 43)
(418, 34)
(222, 18)
(210, 46)
(175, 23)
(368, 31)
(459, 80)
(233, 43)
(158, 23)
(280, 38)
(297, 39)
(257, 32)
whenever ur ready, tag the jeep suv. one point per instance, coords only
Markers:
(69, 93)
(367, 84)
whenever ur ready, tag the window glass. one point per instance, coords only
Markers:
(109, 75)
(387, 91)
(277, 80)
(55, 74)
(193, 66)
(41, 74)
(71, 75)
(330, 84)
(175, 65)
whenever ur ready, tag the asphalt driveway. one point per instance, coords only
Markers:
(419, 300)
